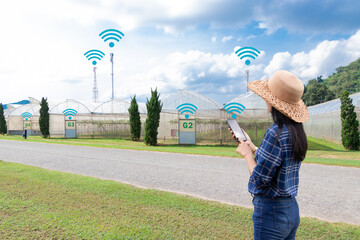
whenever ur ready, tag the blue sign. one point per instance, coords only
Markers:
(26, 115)
(187, 108)
(111, 35)
(247, 52)
(233, 108)
(70, 113)
(94, 54)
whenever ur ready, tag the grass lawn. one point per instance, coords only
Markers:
(41, 204)
(320, 151)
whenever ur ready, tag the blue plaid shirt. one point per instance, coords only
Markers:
(276, 173)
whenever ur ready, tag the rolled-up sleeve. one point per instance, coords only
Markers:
(268, 158)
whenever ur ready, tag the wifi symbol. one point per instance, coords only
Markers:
(247, 52)
(233, 108)
(187, 108)
(111, 34)
(26, 115)
(70, 112)
(94, 54)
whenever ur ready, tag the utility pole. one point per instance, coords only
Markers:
(95, 89)
(112, 73)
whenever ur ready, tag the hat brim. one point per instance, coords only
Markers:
(297, 112)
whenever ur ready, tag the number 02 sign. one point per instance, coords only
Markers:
(187, 133)
(187, 125)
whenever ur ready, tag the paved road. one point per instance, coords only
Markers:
(326, 192)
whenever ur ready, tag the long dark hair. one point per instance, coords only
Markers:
(297, 133)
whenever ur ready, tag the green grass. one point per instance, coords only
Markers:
(41, 204)
(320, 151)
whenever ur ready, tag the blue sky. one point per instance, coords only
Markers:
(171, 45)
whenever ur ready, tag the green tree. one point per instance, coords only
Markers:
(135, 122)
(316, 91)
(349, 124)
(153, 107)
(3, 128)
(345, 78)
(44, 118)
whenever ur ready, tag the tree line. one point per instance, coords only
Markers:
(321, 90)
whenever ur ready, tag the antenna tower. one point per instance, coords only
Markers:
(95, 89)
(112, 74)
(247, 80)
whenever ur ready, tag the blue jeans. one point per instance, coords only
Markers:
(275, 218)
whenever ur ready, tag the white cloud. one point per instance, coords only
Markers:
(193, 70)
(322, 60)
(226, 38)
(270, 28)
(251, 36)
(44, 41)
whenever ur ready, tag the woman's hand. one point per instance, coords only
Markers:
(233, 135)
(244, 148)
(248, 139)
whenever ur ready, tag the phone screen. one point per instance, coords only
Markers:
(235, 128)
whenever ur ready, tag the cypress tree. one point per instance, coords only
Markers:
(3, 128)
(44, 118)
(349, 124)
(135, 122)
(153, 107)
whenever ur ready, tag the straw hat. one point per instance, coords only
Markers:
(283, 91)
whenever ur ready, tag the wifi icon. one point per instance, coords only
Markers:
(247, 52)
(111, 35)
(26, 115)
(94, 54)
(70, 113)
(233, 108)
(187, 108)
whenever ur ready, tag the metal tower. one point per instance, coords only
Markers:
(95, 89)
(112, 73)
(247, 80)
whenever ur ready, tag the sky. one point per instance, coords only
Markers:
(169, 45)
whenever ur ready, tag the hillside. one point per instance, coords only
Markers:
(321, 90)
(347, 77)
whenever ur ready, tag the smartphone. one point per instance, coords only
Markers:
(235, 128)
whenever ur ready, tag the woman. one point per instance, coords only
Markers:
(275, 167)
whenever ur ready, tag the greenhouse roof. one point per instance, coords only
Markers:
(202, 102)
(253, 107)
(333, 105)
(32, 109)
(117, 106)
(81, 108)
(250, 100)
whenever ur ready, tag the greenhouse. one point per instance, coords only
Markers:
(325, 120)
(255, 118)
(18, 114)
(111, 118)
(206, 112)
(80, 112)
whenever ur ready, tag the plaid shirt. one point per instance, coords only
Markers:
(276, 173)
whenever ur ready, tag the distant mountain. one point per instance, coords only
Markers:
(321, 90)
(347, 77)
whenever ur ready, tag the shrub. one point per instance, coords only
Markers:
(3, 127)
(153, 107)
(135, 122)
(44, 118)
(349, 125)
